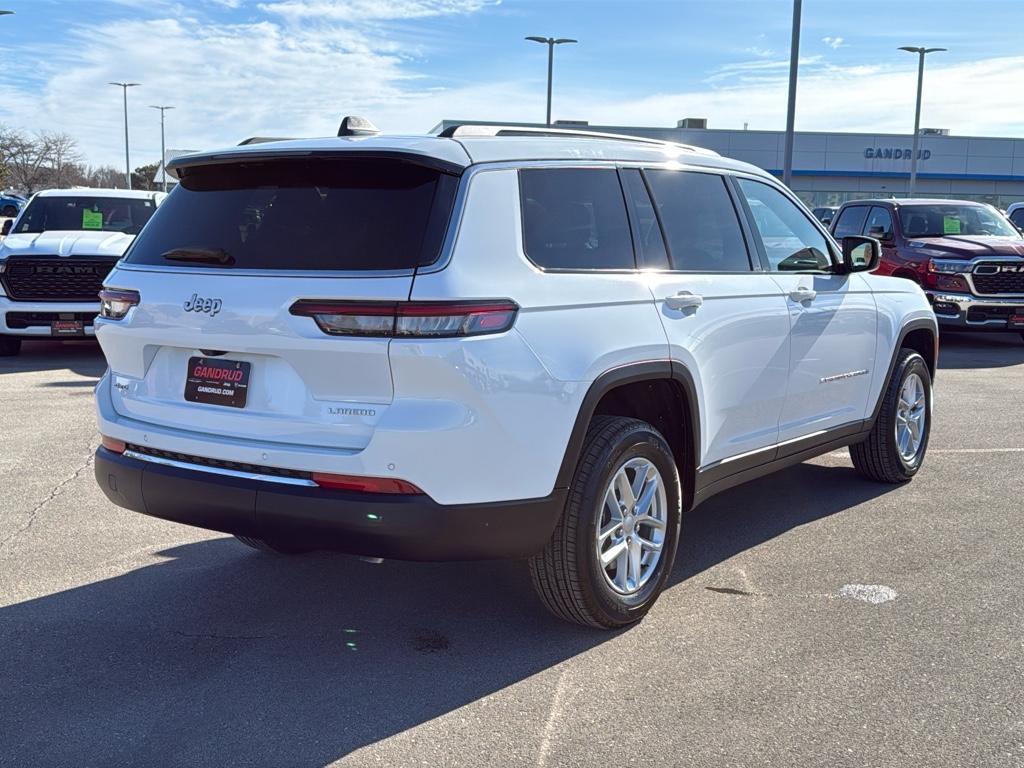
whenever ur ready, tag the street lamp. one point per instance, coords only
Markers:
(163, 152)
(551, 42)
(127, 162)
(6, 13)
(794, 63)
(921, 52)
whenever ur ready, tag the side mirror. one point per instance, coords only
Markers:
(860, 254)
(880, 234)
(7, 227)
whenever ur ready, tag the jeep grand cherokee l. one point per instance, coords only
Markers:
(54, 258)
(494, 344)
(966, 256)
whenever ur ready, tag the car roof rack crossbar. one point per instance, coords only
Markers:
(466, 130)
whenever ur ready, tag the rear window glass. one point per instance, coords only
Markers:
(700, 222)
(317, 214)
(575, 218)
(69, 213)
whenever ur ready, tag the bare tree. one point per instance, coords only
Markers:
(24, 160)
(104, 176)
(61, 153)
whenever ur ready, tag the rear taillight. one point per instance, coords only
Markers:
(114, 304)
(365, 484)
(409, 319)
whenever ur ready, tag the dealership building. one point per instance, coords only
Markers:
(829, 168)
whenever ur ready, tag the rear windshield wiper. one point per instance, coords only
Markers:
(207, 255)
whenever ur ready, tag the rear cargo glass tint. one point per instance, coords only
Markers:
(309, 214)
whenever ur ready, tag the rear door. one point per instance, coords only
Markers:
(219, 269)
(726, 321)
(833, 316)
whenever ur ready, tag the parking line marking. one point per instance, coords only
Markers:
(549, 725)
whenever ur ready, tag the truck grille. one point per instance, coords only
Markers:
(51, 278)
(997, 282)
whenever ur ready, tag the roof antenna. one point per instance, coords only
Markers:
(353, 125)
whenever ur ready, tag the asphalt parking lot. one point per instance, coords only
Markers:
(129, 641)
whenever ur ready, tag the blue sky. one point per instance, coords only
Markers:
(236, 68)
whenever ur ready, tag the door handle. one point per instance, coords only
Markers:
(684, 300)
(802, 294)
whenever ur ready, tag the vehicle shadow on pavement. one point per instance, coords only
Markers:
(224, 656)
(752, 514)
(980, 350)
(82, 357)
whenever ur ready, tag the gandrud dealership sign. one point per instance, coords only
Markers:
(895, 153)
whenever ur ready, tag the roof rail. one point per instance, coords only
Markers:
(464, 130)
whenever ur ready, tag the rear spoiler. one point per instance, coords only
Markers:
(180, 166)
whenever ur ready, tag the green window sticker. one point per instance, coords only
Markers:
(94, 219)
(950, 225)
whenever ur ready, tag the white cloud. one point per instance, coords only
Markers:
(353, 10)
(834, 42)
(968, 98)
(270, 76)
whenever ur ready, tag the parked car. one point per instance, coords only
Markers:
(11, 204)
(55, 255)
(825, 214)
(1015, 213)
(966, 256)
(495, 343)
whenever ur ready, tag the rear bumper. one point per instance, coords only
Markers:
(376, 525)
(975, 313)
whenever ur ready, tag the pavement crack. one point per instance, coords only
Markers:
(54, 493)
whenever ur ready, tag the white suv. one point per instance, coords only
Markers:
(521, 344)
(55, 255)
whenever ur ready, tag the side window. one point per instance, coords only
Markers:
(575, 218)
(879, 224)
(650, 245)
(851, 221)
(791, 241)
(1017, 217)
(700, 222)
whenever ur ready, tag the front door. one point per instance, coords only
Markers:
(833, 321)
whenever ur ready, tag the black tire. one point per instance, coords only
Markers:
(878, 458)
(273, 547)
(9, 211)
(9, 346)
(567, 575)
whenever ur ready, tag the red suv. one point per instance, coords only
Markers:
(966, 256)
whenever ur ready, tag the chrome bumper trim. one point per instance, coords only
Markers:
(219, 470)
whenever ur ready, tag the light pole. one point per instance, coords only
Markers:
(551, 42)
(127, 162)
(921, 53)
(163, 152)
(794, 62)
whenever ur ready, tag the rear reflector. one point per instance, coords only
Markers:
(365, 484)
(116, 446)
(409, 319)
